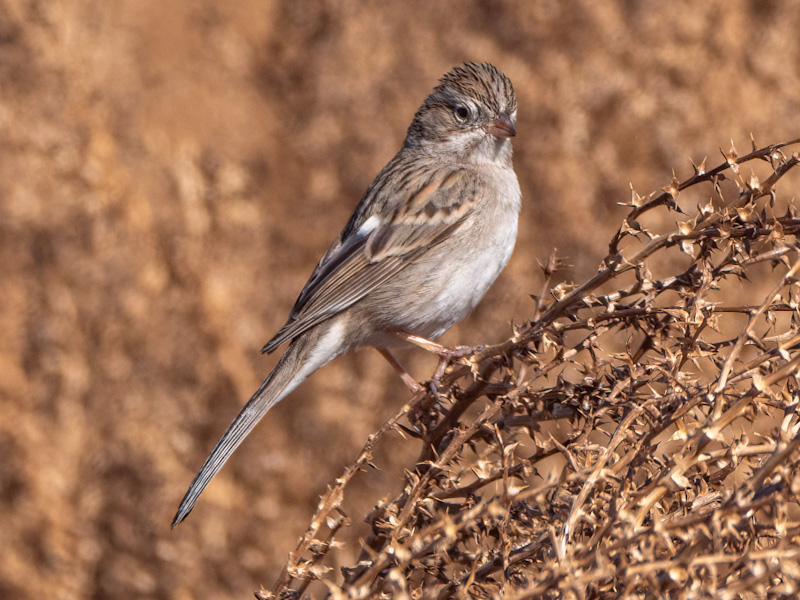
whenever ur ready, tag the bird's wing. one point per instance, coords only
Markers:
(382, 246)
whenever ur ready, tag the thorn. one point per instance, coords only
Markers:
(730, 158)
(685, 227)
(636, 199)
(754, 183)
(673, 188)
(699, 169)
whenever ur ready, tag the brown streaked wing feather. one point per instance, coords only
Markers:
(359, 265)
(432, 211)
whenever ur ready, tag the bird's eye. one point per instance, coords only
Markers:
(461, 113)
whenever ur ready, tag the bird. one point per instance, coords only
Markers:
(427, 240)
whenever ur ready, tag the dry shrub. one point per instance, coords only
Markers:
(638, 437)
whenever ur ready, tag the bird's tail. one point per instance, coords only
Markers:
(304, 355)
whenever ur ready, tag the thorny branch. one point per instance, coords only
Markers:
(630, 440)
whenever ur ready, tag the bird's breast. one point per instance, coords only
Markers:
(453, 277)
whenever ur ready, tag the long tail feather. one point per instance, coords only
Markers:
(303, 356)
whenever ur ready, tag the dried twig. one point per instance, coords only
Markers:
(677, 432)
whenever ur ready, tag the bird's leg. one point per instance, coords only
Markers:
(441, 351)
(446, 355)
(404, 375)
(422, 342)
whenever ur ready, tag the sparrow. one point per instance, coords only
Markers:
(427, 240)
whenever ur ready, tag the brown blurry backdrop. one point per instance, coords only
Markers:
(171, 172)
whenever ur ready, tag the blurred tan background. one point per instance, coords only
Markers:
(171, 172)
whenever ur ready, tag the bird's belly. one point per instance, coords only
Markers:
(463, 289)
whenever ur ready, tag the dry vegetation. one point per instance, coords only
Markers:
(171, 172)
(681, 467)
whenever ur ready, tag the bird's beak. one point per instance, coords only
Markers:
(502, 127)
